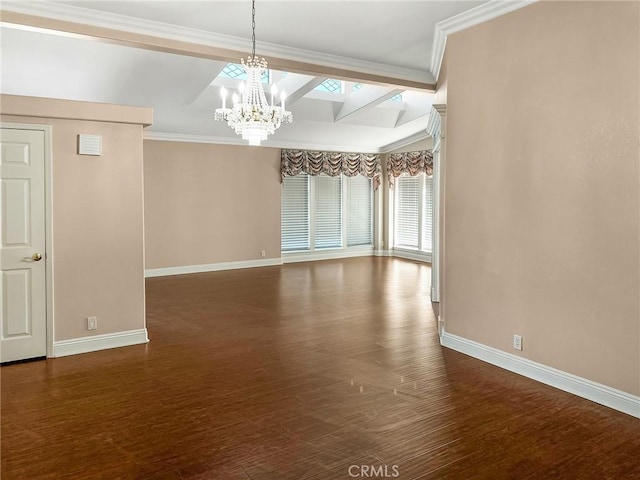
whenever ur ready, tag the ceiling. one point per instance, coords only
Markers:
(361, 39)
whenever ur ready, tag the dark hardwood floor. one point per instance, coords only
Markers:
(326, 371)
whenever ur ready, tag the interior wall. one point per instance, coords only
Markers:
(97, 212)
(207, 204)
(542, 193)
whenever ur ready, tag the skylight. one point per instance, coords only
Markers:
(331, 85)
(235, 70)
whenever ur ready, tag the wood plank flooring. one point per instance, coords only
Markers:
(324, 371)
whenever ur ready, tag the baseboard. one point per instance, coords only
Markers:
(596, 392)
(326, 254)
(99, 342)
(211, 267)
(409, 255)
(355, 252)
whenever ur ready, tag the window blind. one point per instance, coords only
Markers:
(427, 215)
(359, 211)
(328, 212)
(407, 212)
(295, 213)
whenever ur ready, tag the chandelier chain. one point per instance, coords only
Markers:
(253, 28)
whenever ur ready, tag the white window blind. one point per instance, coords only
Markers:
(427, 215)
(328, 212)
(407, 212)
(413, 227)
(359, 211)
(295, 213)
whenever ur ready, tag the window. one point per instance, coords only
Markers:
(427, 215)
(413, 211)
(359, 211)
(295, 213)
(236, 70)
(407, 212)
(326, 212)
(331, 85)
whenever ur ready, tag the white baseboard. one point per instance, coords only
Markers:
(326, 254)
(596, 392)
(409, 255)
(354, 252)
(211, 267)
(99, 342)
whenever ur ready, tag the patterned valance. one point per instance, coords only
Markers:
(295, 162)
(412, 163)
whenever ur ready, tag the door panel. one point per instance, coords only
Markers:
(23, 278)
(17, 312)
(16, 231)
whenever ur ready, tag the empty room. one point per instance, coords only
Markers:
(323, 240)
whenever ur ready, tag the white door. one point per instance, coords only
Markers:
(22, 249)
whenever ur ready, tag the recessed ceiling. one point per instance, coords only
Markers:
(378, 37)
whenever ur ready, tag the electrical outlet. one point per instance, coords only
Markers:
(517, 342)
(92, 323)
(263, 253)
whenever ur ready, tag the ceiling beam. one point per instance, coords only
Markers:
(14, 19)
(297, 86)
(196, 89)
(416, 106)
(365, 98)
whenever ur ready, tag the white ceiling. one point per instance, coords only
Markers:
(379, 37)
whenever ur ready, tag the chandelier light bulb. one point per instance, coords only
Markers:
(283, 96)
(223, 94)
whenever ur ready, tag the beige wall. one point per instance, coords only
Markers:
(542, 187)
(210, 203)
(97, 226)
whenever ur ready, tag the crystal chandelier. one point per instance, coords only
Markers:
(251, 115)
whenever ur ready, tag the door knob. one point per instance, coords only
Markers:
(36, 257)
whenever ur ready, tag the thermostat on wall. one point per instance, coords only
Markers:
(89, 144)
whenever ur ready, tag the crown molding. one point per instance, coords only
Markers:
(236, 140)
(280, 55)
(480, 14)
(416, 137)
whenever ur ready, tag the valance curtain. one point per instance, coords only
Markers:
(412, 163)
(295, 162)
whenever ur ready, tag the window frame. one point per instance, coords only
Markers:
(419, 251)
(311, 209)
